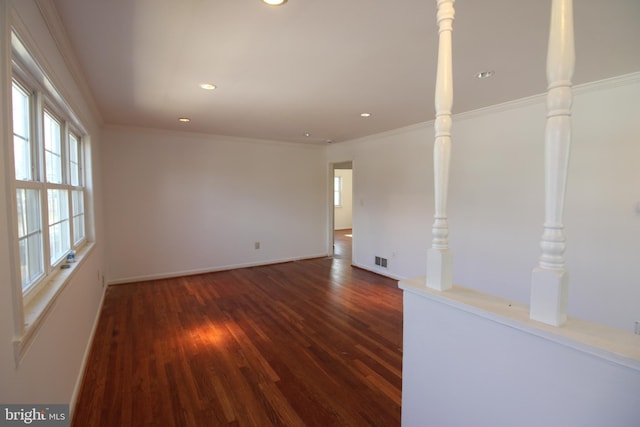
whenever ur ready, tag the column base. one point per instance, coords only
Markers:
(549, 296)
(439, 269)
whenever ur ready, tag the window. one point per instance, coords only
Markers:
(49, 182)
(47, 177)
(337, 191)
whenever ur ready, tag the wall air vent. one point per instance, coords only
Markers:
(382, 262)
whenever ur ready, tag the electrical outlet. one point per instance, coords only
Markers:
(256, 245)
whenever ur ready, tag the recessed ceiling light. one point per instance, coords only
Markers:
(184, 119)
(307, 134)
(275, 2)
(365, 114)
(484, 74)
(207, 86)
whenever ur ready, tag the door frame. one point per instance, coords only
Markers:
(331, 207)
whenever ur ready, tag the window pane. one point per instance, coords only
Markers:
(78, 202)
(28, 203)
(78, 228)
(20, 100)
(53, 149)
(29, 235)
(74, 157)
(59, 233)
(33, 260)
(78, 216)
(337, 191)
(58, 205)
(21, 143)
(59, 241)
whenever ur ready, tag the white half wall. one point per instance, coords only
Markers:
(179, 203)
(496, 199)
(474, 360)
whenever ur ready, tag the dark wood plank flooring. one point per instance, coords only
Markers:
(342, 246)
(307, 343)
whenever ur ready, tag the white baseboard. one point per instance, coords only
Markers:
(381, 271)
(169, 275)
(85, 357)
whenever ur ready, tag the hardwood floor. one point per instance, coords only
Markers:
(342, 244)
(307, 343)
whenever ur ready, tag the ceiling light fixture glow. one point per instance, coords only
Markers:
(484, 74)
(365, 115)
(275, 2)
(307, 134)
(184, 119)
(207, 86)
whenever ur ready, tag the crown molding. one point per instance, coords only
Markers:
(211, 137)
(540, 98)
(58, 32)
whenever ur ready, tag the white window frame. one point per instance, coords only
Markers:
(33, 302)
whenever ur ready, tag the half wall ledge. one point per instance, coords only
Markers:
(609, 343)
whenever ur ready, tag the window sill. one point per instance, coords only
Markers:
(38, 305)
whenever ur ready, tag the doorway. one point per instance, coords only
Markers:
(342, 208)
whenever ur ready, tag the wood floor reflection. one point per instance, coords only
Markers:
(342, 246)
(307, 343)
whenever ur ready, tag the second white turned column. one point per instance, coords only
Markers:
(439, 257)
(550, 281)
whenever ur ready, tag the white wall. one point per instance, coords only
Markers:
(496, 199)
(391, 200)
(181, 203)
(51, 368)
(343, 215)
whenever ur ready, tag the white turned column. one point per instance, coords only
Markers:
(439, 257)
(550, 281)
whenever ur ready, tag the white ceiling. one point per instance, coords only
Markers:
(315, 65)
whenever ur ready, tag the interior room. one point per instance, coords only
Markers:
(193, 147)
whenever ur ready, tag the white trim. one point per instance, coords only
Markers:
(38, 305)
(538, 99)
(330, 239)
(228, 139)
(6, 126)
(32, 65)
(181, 273)
(52, 20)
(85, 358)
(379, 271)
